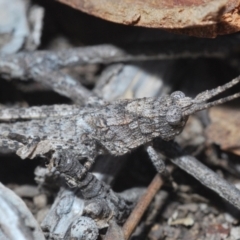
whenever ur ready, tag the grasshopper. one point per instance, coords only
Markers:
(107, 128)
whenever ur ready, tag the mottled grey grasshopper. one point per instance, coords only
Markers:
(108, 128)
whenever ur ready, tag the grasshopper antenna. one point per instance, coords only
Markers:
(198, 102)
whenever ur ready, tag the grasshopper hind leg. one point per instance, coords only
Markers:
(69, 165)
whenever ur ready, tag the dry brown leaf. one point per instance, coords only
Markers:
(224, 129)
(201, 18)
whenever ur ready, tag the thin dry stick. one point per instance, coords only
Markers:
(44, 66)
(20, 65)
(141, 207)
(201, 172)
(62, 84)
(108, 53)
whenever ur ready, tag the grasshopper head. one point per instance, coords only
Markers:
(180, 107)
(184, 106)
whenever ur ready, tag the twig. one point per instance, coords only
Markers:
(16, 220)
(141, 207)
(199, 171)
(20, 65)
(43, 66)
(62, 84)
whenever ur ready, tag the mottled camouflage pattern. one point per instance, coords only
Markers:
(115, 128)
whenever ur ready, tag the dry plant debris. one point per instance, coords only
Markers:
(20, 25)
(224, 131)
(195, 18)
(143, 204)
(113, 66)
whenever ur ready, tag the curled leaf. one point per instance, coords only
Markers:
(202, 18)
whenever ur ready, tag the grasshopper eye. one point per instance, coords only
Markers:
(174, 115)
(177, 95)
